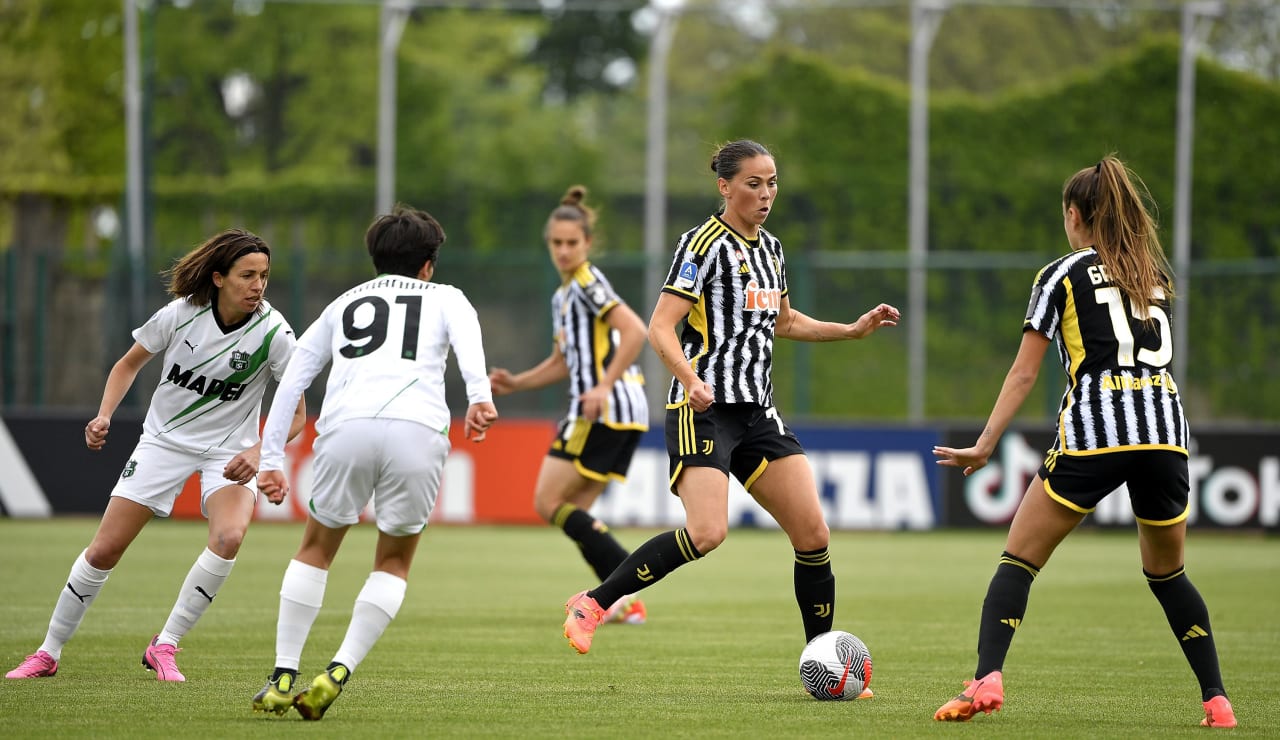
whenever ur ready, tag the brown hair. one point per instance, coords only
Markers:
(1114, 204)
(573, 207)
(729, 157)
(192, 274)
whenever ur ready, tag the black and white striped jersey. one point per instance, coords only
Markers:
(579, 311)
(737, 286)
(1120, 394)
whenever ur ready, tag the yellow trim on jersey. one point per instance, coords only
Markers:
(1166, 522)
(755, 474)
(637, 426)
(582, 275)
(706, 235)
(682, 293)
(697, 319)
(1125, 448)
(601, 339)
(1053, 495)
(1074, 343)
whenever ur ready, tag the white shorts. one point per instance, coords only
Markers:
(398, 463)
(155, 475)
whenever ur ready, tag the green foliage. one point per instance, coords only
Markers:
(718, 655)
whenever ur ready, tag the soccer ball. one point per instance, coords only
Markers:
(835, 666)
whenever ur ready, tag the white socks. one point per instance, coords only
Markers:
(301, 595)
(83, 584)
(203, 581)
(376, 606)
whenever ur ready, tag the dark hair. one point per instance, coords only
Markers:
(729, 157)
(402, 241)
(191, 275)
(1113, 204)
(573, 207)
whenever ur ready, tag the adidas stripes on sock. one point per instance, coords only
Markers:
(1188, 617)
(1002, 611)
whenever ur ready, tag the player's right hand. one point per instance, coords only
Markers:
(479, 418)
(95, 432)
(701, 396)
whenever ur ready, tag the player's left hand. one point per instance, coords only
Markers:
(243, 467)
(480, 416)
(972, 459)
(273, 485)
(882, 315)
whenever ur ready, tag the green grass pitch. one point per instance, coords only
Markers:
(477, 651)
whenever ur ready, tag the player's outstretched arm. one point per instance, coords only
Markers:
(797, 325)
(1017, 384)
(551, 370)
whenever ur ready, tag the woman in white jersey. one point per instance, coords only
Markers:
(221, 342)
(597, 340)
(728, 288)
(1107, 305)
(383, 434)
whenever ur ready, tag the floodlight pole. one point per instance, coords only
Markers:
(395, 14)
(926, 16)
(1197, 19)
(134, 237)
(655, 185)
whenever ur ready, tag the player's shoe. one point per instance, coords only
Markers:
(313, 701)
(627, 610)
(583, 615)
(984, 694)
(867, 693)
(160, 658)
(42, 665)
(1218, 713)
(277, 696)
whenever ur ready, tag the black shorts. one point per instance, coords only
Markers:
(738, 439)
(1157, 481)
(598, 452)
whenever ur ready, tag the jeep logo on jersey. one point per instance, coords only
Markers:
(239, 360)
(766, 299)
(225, 390)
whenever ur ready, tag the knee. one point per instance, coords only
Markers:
(707, 538)
(225, 541)
(816, 536)
(103, 557)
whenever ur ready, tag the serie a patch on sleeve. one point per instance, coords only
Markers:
(687, 276)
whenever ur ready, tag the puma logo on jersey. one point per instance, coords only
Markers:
(762, 299)
(225, 390)
(192, 346)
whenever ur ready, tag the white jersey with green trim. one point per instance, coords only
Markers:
(388, 340)
(209, 399)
